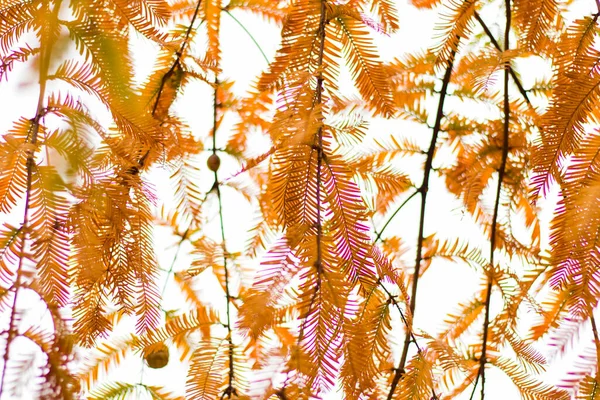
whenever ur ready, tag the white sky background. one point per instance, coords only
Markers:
(242, 62)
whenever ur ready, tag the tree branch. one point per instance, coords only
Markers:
(248, 33)
(501, 173)
(400, 207)
(392, 299)
(230, 390)
(423, 191)
(508, 66)
(179, 54)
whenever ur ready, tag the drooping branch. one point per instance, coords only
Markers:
(423, 189)
(318, 147)
(493, 236)
(258, 46)
(230, 391)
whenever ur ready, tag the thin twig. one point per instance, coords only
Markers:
(392, 299)
(423, 191)
(597, 343)
(179, 54)
(161, 87)
(45, 52)
(215, 117)
(501, 173)
(248, 33)
(184, 237)
(497, 46)
(319, 149)
(378, 237)
(230, 390)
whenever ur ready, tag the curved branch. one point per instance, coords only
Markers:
(248, 33)
(400, 207)
(596, 343)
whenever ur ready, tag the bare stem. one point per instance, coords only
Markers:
(497, 46)
(423, 191)
(493, 237)
(248, 33)
(46, 43)
(230, 389)
(319, 149)
(179, 55)
(392, 300)
(396, 211)
(231, 375)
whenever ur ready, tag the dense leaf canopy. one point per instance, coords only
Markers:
(275, 239)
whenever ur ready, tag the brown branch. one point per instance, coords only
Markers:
(141, 161)
(423, 191)
(318, 101)
(281, 394)
(593, 395)
(392, 299)
(501, 173)
(597, 345)
(179, 54)
(508, 66)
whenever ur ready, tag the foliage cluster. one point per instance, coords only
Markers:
(323, 296)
